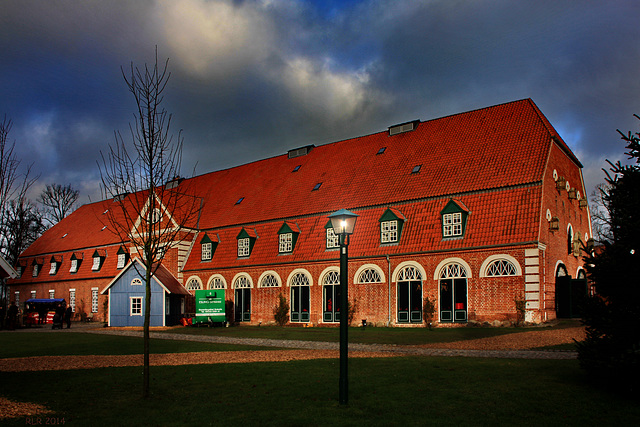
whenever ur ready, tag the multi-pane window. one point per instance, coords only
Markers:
(286, 243)
(54, 268)
(269, 281)
(17, 298)
(194, 285)
(94, 300)
(333, 240)
(206, 252)
(72, 299)
(97, 261)
(36, 270)
(74, 266)
(501, 267)
(217, 283)
(33, 294)
(389, 231)
(52, 293)
(122, 258)
(136, 306)
(452, 224)
(136, 282)
(244, 248)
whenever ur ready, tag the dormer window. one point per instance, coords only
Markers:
(37, 265)
(76, 260)
(123, 257)
(246, 240)
(208, 247)
(287, 237)
(98, 259)
(333, 240)
(391, 223)
(454, 219)
(55, 264)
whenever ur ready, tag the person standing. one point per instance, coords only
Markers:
(12, 316)
(67, 316)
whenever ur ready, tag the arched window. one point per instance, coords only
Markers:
(369, 275)
(217, 283)
(269, 281)
(453, 270)
(569, 240)
(194, 284)
(409, 273)
(242, 282)
(501, 268)
(136, 282)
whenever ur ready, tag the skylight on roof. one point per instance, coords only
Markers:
(296, 168)
(65, 235)
(239, 200)
(103, 228)
(317, 186)
(381, 150)
(416, 169)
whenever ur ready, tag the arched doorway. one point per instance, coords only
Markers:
(300, 298)
(453, 293)
(242, 293)
(409, 295)
(569, 293)
(331, 296)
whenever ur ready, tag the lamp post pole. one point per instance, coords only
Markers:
(344, 320)
(343, 223)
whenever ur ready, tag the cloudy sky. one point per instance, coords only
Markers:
(254, 78)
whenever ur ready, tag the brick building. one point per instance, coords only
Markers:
(474, 211)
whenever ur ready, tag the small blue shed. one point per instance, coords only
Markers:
(127, 293)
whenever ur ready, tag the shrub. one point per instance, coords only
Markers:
(281, 311)
(521, 306)
(428, 311)
(352, 307)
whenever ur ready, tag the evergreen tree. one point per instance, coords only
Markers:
(611, 351)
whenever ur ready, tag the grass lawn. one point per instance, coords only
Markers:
(398, 336)
(395, 391)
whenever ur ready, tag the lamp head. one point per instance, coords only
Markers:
(343, 222)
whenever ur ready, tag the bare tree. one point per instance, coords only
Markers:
(24, 226)
(149, 214)
(13, 189)
(58, 201)
(599, 214)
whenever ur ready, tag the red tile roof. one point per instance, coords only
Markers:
(490, 160)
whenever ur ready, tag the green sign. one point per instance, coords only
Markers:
(209, 306)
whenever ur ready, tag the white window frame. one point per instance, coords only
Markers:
(36, 270)
(72, 299)
(97, 260)
(54, 268)
(52, 293)
(16, 298)
(286, 243)
(206, 252)
(94, 300)
(333, 240)
(121, 260)
(136, 282)
(74, 266)
(244, 247)
(135, 306)
(389, 231)
(452, 224)
(33, 294)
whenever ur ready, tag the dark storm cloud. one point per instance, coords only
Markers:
(252, 79)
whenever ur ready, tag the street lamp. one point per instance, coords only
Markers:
(343, 223)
